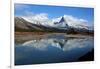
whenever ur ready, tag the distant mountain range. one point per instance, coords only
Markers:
(61, 24)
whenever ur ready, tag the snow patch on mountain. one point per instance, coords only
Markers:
(75, 22)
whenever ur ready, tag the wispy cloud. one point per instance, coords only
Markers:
(20, 7)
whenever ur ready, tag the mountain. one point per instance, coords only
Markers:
(71, 22)
(74, 25)
(62, 24)
(23, 25)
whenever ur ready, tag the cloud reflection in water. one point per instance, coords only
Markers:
(62, 44)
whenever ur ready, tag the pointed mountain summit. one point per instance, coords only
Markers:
(59, 20)
(62, 20)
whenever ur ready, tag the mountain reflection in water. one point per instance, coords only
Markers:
(52, 50)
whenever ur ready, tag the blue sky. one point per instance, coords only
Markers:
(55, 11)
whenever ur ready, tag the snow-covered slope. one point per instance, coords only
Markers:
(62, 22)
(75, 22)
(46, 22)
(71, 22)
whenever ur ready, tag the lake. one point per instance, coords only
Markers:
(53, 49)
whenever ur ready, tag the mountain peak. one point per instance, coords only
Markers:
(62, 20)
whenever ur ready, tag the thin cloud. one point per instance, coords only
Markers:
(20, 7)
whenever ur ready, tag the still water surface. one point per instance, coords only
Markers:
(52, 50)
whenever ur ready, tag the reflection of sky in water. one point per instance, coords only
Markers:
(52, 50)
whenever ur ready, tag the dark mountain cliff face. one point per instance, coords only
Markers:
(22, 25)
